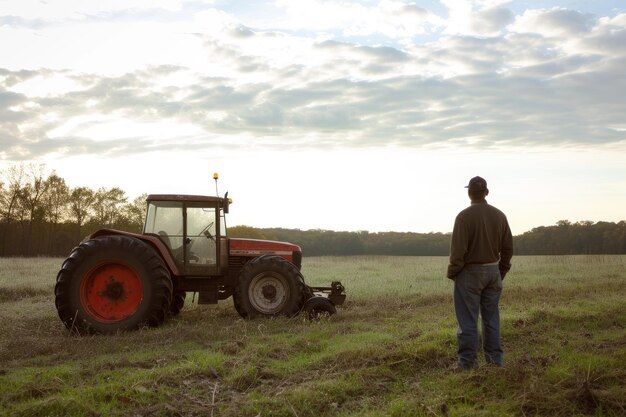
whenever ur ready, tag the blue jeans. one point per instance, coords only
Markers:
(477, 288)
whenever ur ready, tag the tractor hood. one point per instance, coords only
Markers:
(251, 248)
(256, 247)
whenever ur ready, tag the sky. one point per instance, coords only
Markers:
(337, 115)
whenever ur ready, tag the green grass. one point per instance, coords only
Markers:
(390, 351)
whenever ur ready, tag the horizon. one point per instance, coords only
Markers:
(358, 115)
(572, 223)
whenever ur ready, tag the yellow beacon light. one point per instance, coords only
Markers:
(215, 177)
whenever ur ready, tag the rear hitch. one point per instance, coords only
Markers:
(336, 293)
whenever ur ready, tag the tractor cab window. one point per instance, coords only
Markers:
(165, 219)
(201, 231)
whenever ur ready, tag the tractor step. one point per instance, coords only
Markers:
(207, 297)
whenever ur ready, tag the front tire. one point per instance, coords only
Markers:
(178, 302)
(317, 307)
(269, 286)
(112, 283)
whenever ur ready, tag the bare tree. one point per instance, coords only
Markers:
(12, 208)
(81, 203)
(3, 225)
(135, 212)
(3, 199)
(108, 206)
(34, 191)
(56, 200)
(16, 177)
(31, 196)
(56, 203)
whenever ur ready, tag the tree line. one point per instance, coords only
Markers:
(40, 215)
(327, 242)
(565, 238)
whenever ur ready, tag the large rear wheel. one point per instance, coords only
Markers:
(269, 286)
(112, 283)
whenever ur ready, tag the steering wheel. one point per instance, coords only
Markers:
(206, 232)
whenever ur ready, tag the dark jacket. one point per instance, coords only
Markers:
(481, 235)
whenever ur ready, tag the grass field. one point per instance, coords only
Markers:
(390, 351)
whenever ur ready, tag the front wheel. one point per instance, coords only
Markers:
(318, 307)
(178, 302)
(112, 283)
(269, 286)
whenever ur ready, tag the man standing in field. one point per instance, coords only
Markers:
(480, 256)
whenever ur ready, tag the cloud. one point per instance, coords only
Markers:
(383, 53)
(476, 18)
(556, 22)
(394, 19)
(544, 77)
(8, 99)
(57, 10)
(607, 37)
(492, 20)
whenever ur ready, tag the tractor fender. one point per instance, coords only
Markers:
(151, 240)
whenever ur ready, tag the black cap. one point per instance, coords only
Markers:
(477, 184)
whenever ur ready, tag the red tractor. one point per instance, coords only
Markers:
(116, 280)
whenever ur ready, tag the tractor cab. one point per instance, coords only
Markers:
(193, 229)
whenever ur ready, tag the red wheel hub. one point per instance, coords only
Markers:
(111, 292)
